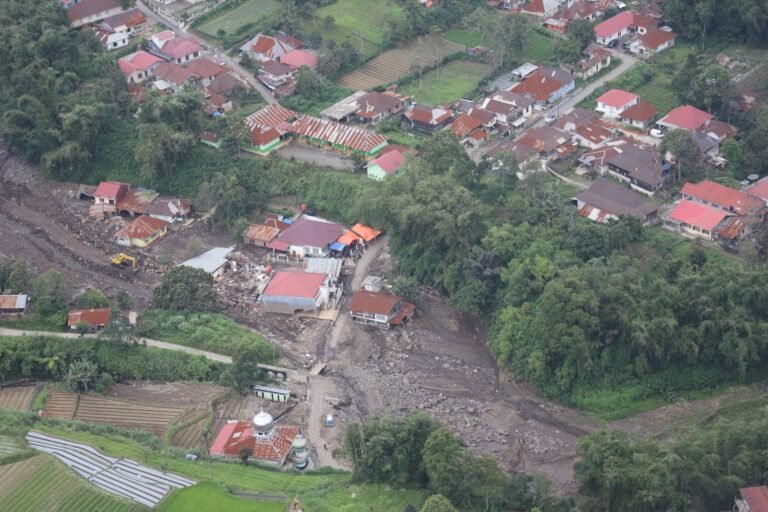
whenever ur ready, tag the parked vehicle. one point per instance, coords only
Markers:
(655, 132)
(549, 119)
(329, 420)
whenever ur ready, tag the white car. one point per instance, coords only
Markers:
(549, 119)
(655, 132)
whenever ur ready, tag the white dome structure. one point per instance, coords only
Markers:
(262, 424)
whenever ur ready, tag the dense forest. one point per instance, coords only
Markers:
(737, 21)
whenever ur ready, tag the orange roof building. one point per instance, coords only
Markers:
(142, 232)
(366, 233)
(267, 442)
(94, 318)
(379, 309)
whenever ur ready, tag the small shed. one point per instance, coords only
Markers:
(13, 305)
(213, 261)
(94, 318)
(273, 394)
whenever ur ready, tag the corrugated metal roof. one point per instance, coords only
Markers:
(272, 116)
(341, 135)
(95, 317)
(13, 301)
(211, 260)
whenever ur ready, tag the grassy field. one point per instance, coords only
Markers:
(318, 492)
(657, 91)
(252, 11)
(208, 496)
(43, 483)
(359, 22)
(538, 48)
(452, 82)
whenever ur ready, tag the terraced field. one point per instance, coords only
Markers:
(43, 483)
(393, 65)
(121, 413)
(252, 11)
(61, 405)
(17, 398)
(659, 95)
(453, 81)
(358, 22)
(537, 49)
(191, 436)
(9, 446)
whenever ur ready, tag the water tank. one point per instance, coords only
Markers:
(262, 423)
(300, 452)
(753, 177)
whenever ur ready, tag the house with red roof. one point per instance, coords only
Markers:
(338, 137)
(173, 78)
(615, 27)
(759, 189)
(695, 219)
(377, 106)
(653, 42)
(728, 199)
(263, 47)
(268, 128)
(542, 8)
(595, 59)
(175, 49)
(91, 11)
(466, 125)
(115, 31)
(291, 292)
(273, 74)
(379, 309)
(205, 70)
(142, 232)
(385, 165)
(426, 118)
(94, 318)
(616, 101)
(511, 109)
(586, 127)
(267, 442)
(640, 115)
(546, 85)
(686, 117)
(138, 66)
(753, 499)
(110, 192)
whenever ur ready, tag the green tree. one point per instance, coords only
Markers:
(80, 374)
(244, 454)
(684, 150)
(245, 367)
(159, 149)
(581, 32)
(185, 289)
(443, 457)
(19, 278)
(51, 293)
(91, 299)
(734, 155)
(438, 503)
(118, 330)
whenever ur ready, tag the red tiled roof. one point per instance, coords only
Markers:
(288, 39)
(534, 6)
(656, 38)
(390, 161)
(173, 73)
(129, 18)
(687, 117)
(95, 317)
(540, 86)
(641, 111)
(464, 125)
(338, 134)
(373, 302)
(756, 498)
(295, 284)
(262, 135)
(138, 61)
(87, 8)
(376, 103)
(615, 24)
(181, 46)
(759, 189)
(617, 98)
(270, 47)
(269, 120)
(205, 68)
(697, 215)
(428, 115)
(722, 196)
(111, 189)
(142, 228)
(236, 435)
(298, 58)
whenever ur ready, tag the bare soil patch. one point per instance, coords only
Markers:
(17, 398)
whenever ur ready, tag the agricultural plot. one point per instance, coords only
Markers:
(122, 477)
(152, 418)
(42, 483)
(659, 95)
(191, 436)
(537, 49)
(452, 82)
(358, 22)
(9, 446)
(210, 497)
(61, 405)
(393, 65)
(120, 413)
(252, 11)
(17, 398)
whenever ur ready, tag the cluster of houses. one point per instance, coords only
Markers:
(279, 58)
(152, 212)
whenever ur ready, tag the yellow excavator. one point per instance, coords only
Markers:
(122, 259)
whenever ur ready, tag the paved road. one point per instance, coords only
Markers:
(218, 53)
(150, 343)
(316, 156)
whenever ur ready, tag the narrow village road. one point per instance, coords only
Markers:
(321, 388)
(150, 343)
(219, 54)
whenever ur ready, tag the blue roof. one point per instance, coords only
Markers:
(337, 246)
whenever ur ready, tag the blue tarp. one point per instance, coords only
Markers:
(338, 246)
